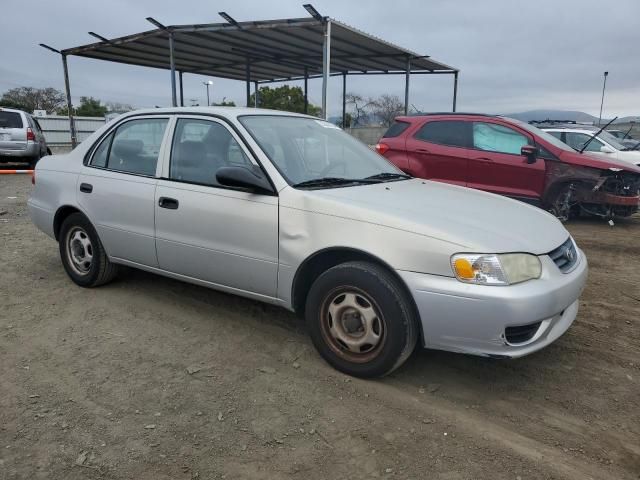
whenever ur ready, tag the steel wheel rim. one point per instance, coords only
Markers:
(352, 324)
(79, 250)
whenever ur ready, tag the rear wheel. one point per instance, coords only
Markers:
(361, 320)
(82, 253)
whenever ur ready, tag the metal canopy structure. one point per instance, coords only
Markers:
(260, 52)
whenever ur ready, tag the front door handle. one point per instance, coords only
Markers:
(166, 202)
(86, 187)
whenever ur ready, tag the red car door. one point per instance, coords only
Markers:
(438, 151)
(497, 165)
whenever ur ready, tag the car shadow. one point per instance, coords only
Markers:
(423, 368)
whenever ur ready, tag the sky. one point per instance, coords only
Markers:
(512, 55)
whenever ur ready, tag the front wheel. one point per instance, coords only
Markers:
(360, 319)
(82, 253)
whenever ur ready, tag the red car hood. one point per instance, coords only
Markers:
(586, 160)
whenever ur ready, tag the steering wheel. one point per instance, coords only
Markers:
(331, 166)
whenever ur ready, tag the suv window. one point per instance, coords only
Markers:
(133, 147)
(577, 141)
(396, 129)
(10, 120)
(492, 137)
(453, 133)
(200, 148)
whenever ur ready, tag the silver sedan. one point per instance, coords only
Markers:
(290, 210)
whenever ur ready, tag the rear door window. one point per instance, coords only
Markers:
(396, 129)
(134, 147)
(453, 133)
(10, 120)
(492, 137)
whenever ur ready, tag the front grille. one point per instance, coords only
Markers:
(565, 256)
(521, 333)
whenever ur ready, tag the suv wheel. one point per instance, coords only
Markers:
(82, 253)
(33, 161)
(361, 320)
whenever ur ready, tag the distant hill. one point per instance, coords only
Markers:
(539, 115)
(635, 119)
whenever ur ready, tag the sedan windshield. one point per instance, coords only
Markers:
(312, 153)
(611, 140)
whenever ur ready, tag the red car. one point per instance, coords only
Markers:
(510, 157)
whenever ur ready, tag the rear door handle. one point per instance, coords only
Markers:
(166, 202)
(422, 150)
(86, 187)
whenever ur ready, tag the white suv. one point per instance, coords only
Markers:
(604, 144)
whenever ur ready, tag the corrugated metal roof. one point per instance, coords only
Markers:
(275, 50)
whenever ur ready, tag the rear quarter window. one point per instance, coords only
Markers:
(453, 133)
(396, 129)
(10, 120)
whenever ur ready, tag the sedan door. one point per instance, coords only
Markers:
(438, 151)
(224, 236)
(496, 164)
(116, 188)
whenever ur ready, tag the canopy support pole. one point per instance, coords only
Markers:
(344, 100)
(306, 98)
(407, 76)
(174, 101)
(256, 100)
(181, 89)
(72, 123)
(455, 89)
(248, 80)
(326, 66)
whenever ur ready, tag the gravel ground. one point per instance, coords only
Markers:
(150, 378)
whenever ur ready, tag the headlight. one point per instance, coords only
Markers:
(502, 269)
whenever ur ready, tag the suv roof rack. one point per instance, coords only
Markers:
(426, 114)
(552, 122)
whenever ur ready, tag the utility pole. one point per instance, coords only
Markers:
(604, 85)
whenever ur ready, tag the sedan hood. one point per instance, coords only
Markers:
(472, 220)
(597, 161)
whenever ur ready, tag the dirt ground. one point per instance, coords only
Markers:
(150, 378)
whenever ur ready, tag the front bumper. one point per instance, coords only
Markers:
(472, 319)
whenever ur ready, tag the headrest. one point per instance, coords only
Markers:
(127, 148)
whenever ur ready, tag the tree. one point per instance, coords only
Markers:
(348, 123)
(360, 107)
(117, 107)
(91, 107)
(30, 99)
(387, 107)
(224, 103)
(287, 98)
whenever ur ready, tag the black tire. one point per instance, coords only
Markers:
(368, 284)
(99, 270)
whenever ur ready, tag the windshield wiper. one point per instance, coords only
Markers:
(388, 176)
(586, 144)
(330, 181)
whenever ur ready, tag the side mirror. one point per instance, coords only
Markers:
(242, 177)
(531, 152)
(606, 149)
